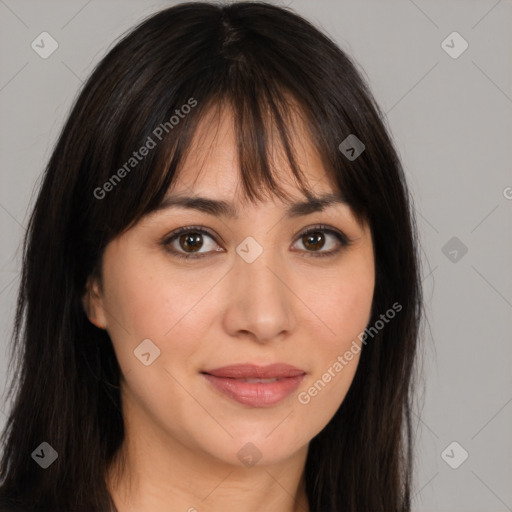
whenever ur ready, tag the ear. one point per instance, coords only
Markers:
(92, 301)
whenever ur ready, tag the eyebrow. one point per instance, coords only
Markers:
(221, 208)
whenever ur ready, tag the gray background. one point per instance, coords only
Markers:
(452, 123)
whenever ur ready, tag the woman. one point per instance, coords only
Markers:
(220, 301)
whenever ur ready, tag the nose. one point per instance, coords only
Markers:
(260, 303)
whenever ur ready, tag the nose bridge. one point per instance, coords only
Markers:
(260, 302)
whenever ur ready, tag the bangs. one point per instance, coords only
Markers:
(269, 132)
(270, 127)
(276, 94)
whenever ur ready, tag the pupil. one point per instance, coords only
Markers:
(191, 241)
(315, 240)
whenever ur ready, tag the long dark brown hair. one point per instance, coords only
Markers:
(258, 59)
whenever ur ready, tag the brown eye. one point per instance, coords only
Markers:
(191, 242)
(314, 241)
(196, 242)
(322, 241)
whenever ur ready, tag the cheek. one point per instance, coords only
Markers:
(150, 301)
(137, 300)
(350, 308)
(346, 301)
(347, 315)
(346, 309)
(136, 292)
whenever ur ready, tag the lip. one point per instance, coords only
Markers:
(252, 371)
(232, 382)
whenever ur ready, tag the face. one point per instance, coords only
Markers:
(256, 290)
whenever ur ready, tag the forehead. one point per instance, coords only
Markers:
(211, 165)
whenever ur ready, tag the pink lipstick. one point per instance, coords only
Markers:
(256, 386)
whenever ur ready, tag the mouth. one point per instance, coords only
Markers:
(255, 386)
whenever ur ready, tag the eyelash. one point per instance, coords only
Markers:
(341, 237)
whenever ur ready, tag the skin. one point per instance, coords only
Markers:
(182, 435)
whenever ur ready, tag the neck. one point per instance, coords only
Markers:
(158, 473)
